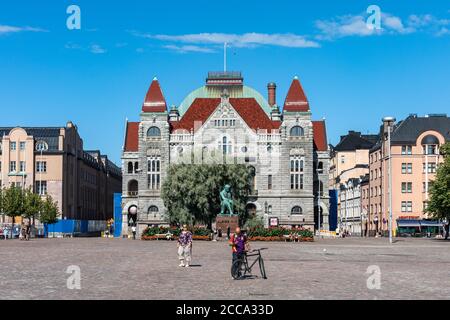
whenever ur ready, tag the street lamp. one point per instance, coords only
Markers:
(388, 123)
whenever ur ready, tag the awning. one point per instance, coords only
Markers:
(408, 223)
(418, 223)
(425, 223)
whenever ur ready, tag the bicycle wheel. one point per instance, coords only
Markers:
(238, 269)
(261, 268)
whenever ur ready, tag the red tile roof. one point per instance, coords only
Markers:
(248, 108)
(320, 136)
(296, 100)
(132, 137)
(197, 114)
(253, 114)
(154, 100)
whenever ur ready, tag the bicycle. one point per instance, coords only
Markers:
(240, 266)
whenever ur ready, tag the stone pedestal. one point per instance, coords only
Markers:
(223, 222)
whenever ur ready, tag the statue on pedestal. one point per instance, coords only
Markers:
(226, 201)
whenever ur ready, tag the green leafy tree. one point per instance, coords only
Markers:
(191, 192)
(32, 205)
(439, 204)
(13, 203)
(49, 211)
(254, 222)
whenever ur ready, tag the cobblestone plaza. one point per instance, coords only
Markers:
(127, 269)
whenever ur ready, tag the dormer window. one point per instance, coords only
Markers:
(430, 145)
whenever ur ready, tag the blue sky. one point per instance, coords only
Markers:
(99, 75)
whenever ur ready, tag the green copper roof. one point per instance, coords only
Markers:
(215, 92)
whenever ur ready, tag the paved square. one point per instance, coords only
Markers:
(127, 269)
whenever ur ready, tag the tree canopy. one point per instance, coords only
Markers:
(191, 191)
(439, 204)
(15, 202)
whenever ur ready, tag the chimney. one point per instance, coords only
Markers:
(271, 89)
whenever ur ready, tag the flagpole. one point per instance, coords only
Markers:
(225, 57)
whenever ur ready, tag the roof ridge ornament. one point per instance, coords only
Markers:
(225, 96)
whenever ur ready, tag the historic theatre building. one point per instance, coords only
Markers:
(285, 150)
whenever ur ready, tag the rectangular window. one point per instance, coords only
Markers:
(297, 168)
(406, 168)
(22, 166)
(430, 149)
(406, 150)
(406, 187)
(431, 168)
(12, 146)
(12, 166)
(154, 173)
(41, 166)
(41, 188)
(22, 145)
(269, 182)
(406, 206)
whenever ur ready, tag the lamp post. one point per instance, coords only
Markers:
(389, 122)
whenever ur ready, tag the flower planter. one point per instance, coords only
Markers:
(196, 238)
(281, 239)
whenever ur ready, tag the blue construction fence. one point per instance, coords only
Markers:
(73, 227)
(117, 215)
(333, 215)
(86, 227)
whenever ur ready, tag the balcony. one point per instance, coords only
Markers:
(181, 137)
(272, 138)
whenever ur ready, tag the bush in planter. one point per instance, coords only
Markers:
(273, 233)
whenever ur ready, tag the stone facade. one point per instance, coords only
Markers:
(229, 119)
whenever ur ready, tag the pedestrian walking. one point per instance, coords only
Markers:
(22, 232)
(27, 231)
(133, 230)
(184, 246)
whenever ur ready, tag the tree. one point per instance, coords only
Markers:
(33, 204)
(49, 211)
(191, 192)
(439, 203)
(13, 203)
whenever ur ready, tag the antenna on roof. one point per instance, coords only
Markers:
(225, 57)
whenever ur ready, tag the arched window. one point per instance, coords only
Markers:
(136, 167)
(152, 211)
(41, 146)
(430, 145)
(320, 167)
(130, 167)
(297, 210)
(133, 188)
(153, 132)
(297, 131)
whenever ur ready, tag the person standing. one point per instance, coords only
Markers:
(184, 246)
(27, 231)
(239, 244)
(133, 230)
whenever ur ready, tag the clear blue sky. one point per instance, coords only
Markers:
(99, 75)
